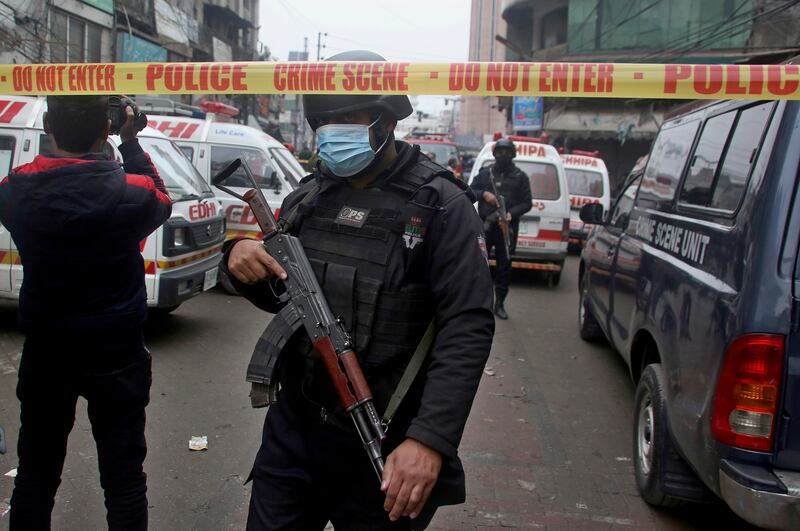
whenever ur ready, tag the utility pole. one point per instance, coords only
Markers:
(319, 43)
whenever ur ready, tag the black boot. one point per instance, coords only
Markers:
(500, 310)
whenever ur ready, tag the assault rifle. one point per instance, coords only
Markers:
(502, 222)
(306, 306)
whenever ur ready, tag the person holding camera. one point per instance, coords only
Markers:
(78, 219)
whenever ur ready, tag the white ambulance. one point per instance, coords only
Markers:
(212, 145)
(544, 230)
(587, 178)
(181, 257)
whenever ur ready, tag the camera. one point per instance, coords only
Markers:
(118, 116)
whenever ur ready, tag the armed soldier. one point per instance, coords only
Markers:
(502, 181)
(395, 245)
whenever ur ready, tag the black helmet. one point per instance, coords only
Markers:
(505, 143)
(318, 106)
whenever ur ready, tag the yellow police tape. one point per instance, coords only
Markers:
(595, 80)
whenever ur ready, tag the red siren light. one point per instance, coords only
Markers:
(217, 107)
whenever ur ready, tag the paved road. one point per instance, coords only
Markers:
(547, 447)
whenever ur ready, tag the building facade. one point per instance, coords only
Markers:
(669, 31)
(479, 117)
(84, 31)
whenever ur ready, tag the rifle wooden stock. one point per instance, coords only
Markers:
(327, 352)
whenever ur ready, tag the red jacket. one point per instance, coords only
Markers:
(77, 224)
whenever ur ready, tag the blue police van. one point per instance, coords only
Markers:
(693, 277)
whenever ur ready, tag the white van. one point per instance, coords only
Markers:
(544, 230)
(587, 178)
(212, 145)
(180, 258)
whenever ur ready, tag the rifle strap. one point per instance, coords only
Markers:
(301, 207)
(410, 373)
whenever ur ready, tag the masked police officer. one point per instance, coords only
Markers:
(395, 243)
(502, 178)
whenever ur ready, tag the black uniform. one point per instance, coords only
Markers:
(416, 254)
(78, 224)
(514, 185)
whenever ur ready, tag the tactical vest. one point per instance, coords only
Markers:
(367, 247)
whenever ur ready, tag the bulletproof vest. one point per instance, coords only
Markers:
(367, 248)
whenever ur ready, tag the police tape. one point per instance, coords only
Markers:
(592, 80)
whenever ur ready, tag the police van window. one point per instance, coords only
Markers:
(6, 154)
(188, 151)
(740, 157)
(622, 210)
(258, 162)
(665, 166)
(697, 188)
(544, 179)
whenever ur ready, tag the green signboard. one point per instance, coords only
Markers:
(102, 5)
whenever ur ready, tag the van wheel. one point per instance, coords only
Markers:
(653, 449)
(226, 284)
(589, 327)
(553, 279)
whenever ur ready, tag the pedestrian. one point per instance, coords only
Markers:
(413, 253)
(305, 153)
(502, 178)
(77, 218)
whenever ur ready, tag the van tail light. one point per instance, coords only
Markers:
(277, 214)
(748, 392)
(565, 230)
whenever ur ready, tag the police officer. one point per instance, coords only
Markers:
(506, 179)
(77, 218)
(395, 243)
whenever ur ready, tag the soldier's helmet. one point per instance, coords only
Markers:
(319, 106)
(505, 143)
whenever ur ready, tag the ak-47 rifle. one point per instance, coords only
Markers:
(306, 306)
(502, 221)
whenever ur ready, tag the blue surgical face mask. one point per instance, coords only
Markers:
(345, 148)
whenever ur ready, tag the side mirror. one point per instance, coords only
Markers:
(592, 214)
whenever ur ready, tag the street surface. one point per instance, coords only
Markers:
(548, 445)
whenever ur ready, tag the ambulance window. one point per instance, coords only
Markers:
(699, 181)
(6, 154)
(740, 157)
(292, 169)
(584, 182)
(543, 177)
(665, 166)
(188, 151)
(256, 160)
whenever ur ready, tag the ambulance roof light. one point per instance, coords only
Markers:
(595, 153)
(218, 107)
